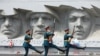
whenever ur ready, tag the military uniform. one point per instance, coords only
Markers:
(27, 45)
(68, 45)
(48, 43)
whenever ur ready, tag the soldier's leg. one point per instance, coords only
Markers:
(46, 50)
(54, 46)
(26, 51)
(67, 50)
(33, 48)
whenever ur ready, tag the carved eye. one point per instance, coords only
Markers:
(34, 18)
(72, 19)
(2, 18)
(85, 19)
(46, 18)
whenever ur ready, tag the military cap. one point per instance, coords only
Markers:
(48, 27)
(66, 30)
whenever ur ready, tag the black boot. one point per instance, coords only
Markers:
(41, 52)
(63, 51)
(84, 48)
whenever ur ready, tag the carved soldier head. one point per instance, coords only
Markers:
(40, 20)
(10, 25)
(82, 22)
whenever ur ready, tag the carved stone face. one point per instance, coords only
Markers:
(10, 26)
(82, 22)
(39, 21)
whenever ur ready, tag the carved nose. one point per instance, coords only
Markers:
(40, 22)
(79, 23)
(7, 22)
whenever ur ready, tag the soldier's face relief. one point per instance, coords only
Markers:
(39, 22)
(10, 26)
(82, 22)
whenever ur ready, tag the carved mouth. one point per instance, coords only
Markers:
(79, 32)
(8, 32)
(39, 32)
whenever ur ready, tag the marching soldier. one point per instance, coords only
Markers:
(27, 44)
(67, 39)
(48, 35)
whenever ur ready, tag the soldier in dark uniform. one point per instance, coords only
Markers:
(27, 44)
(67, 40)
(48, 35)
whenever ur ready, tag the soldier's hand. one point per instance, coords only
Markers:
(53, 34)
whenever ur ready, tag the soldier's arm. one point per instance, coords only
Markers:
(69, 40)
(29, 37)
(50, 38)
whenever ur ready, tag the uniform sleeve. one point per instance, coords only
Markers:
(50, 34)
(45, 35)
(69, 35)
(28, 37)
(65, 37)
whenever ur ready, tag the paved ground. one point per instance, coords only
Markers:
(36, 55)
(52, 52)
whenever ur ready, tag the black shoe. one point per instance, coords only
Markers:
(84, 48)
(63, 51)
(41, 52)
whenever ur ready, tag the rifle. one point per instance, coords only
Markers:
(32, 33)
(53, 28)
(50, 38)
(69, 40)
(73, 31)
